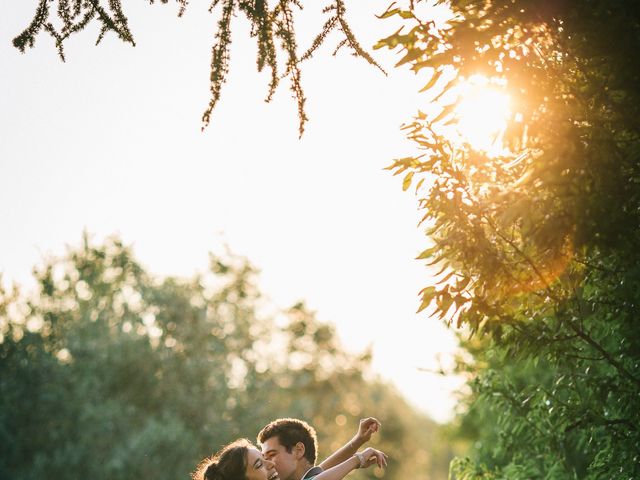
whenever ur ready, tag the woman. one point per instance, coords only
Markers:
(241, 460)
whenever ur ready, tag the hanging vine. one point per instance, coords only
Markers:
(269, 24)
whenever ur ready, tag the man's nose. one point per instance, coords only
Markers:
(270, 464)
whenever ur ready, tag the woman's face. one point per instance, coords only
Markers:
(258, 468)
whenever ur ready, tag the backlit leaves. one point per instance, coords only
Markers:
(531, 246)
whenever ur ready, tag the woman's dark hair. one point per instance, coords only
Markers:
(230, 463)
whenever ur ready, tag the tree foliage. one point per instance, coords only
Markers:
(109, 372)
(536, 246)
(272, 26)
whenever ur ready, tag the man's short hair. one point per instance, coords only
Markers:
(290, 431)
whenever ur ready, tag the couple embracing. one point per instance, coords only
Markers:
(289, 452)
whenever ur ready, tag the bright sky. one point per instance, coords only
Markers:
(110, 142)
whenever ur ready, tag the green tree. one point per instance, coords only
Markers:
(110, 372)
(536, 245)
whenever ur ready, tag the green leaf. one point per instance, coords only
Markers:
(389, 12)
(411, 55)
(406, 183)
(446, 112)
(461, 284)
(427, 295)
(391, 42)
(445, 302)
(432, 81)
(446, 88)
(428, 252)
(445, 278)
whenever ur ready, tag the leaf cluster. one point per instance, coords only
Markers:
(272, 25)
(536, 247)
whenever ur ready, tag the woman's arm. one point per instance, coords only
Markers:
(366, 458)
(366, 428)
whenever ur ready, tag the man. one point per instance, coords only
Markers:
(292, 445)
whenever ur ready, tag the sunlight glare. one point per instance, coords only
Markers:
(482, 112)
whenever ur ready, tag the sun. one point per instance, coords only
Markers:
(482, 112)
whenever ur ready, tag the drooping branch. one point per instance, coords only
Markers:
(350, 37)
(74, 19)
(607, 356)
(219, 59)
(286, 32)
(28, 37)
(262, 23)
(266, 25)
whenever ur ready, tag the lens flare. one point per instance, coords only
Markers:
(482, 113)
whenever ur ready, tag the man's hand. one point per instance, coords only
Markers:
(368, 426)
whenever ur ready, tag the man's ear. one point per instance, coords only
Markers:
(299, 450)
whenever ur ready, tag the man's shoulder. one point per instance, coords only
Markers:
(312, 472)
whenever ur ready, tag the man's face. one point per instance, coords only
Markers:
(285, 462)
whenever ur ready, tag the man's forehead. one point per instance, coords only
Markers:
(272, 443)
